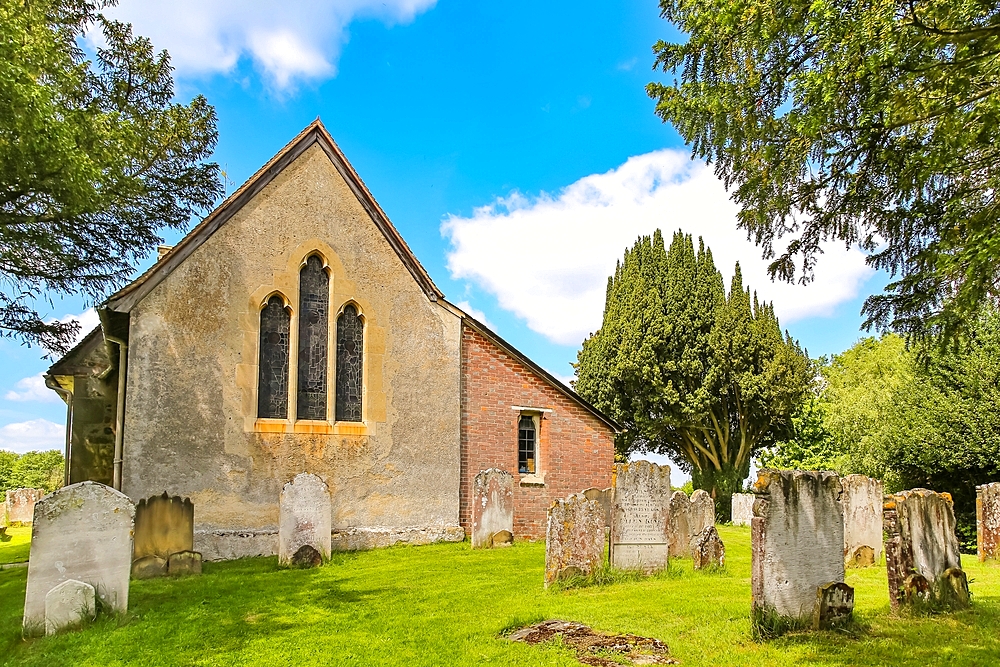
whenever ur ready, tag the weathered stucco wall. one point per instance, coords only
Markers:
(190, 425)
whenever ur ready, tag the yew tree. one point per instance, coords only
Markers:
(96, 158)
(870, 123)
(690, 370)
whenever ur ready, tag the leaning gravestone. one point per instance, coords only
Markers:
(574, 538)
(988, 521)
(639, 516)
(20, 504)
(492, 507)
(68, 605)
(922, 560)
(743, 508)
(707, 550)
(164, 525)
(797, 541)
(305, 519)
(862, 500)
(680, 525)
(702, 511)
(82, 532)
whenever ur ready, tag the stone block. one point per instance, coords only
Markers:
(603, 498)
(679, 533)
(574, 538)
(184, 562)
(988, 521)
(149, 567)
(69, 605)
(862, 500)
(797, 540)
(492, 506)
(639, 516)
(920, 541)
(305, 517)
(164, 525)
(502, 538)
(707, 549)
(20, 504)
(743, 508)
(702, 511)
(834, 605)
(82, 532)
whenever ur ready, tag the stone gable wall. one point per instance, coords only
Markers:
(575, 449)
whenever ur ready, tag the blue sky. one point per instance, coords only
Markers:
(512, 144)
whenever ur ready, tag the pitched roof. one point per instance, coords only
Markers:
(556, 384)
(127, 297)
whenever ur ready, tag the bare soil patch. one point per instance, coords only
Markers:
(597, 648)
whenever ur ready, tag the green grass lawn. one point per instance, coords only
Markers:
(16, 550)
(446, 605)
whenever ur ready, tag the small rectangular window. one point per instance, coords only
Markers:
(526, 445)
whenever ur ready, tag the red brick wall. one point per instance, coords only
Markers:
(575, 448)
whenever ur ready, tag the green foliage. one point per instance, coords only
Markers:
(811, 446)
(689, 370)
(872, 123)
(34, 470)
(95, 159)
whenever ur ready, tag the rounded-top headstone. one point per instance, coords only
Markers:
(702, 511)
(680, 525)
(305, 517)
(83, 532)
(68, 605)
(492, 506)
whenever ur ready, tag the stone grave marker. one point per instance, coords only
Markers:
(164, 525)
(862, 500)
(834, 605)
(702, 511)
(68, 605)
(149, 567)
(680, 533)
(574, 538)
(707, 549)
(184, 562)
(988, 521)
(743, 508)
(921, 547)
(603, 498)
(20, 504)
(82, 532)
(305, 519)
(797, 541)
(639, 516)
(492, 507)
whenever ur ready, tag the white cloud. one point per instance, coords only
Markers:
(32, 389)
(547, 258)
(33, 435)
(475, 313)
(87, 320)
(288, 40)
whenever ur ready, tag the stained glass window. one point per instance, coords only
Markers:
(314, 316)
(350, 352)
(272, 382)
(526, 445)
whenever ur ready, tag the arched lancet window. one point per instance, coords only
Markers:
(314, 316)
(350, 362)
(272, 382)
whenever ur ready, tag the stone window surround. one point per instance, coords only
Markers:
(537, 415)
(341, 293)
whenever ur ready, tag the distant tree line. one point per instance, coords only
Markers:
(35, 470)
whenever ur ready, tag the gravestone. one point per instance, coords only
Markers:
(702, 511)
(603, 498)
(707, 549)
(164, 525)
(305, 518)
(680, 533)
(83, 532)
(149, 567)
(639, 516)
(68, 605)
(743, 508)
(184, 562)
(862, 501)
(574, 538)
(492, 506)
(20, 504)
(797, 541)
(834, 605)
(988, 521)
(920, 547)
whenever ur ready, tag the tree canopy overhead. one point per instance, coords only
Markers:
(863, 122)
(95, 159)
(690, 371)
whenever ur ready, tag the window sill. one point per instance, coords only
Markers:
(532, 480)
(310, 427)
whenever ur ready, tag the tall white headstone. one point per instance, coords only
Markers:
(639, 517)
(305, 517)
(742, 509)
(702, 511)
(492, 506)
(862, 502)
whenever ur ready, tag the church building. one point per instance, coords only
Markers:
(293, 330)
